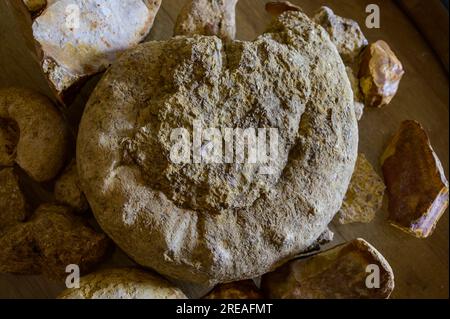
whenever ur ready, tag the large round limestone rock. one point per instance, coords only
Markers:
(218, 222)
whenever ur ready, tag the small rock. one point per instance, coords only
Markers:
(364, 195)
(380, 74)
(82, 37)
(344, 33)
(339, 273)
(52, 239)
(68, 190)
(416, 182)
(244, 289)
(208, 17)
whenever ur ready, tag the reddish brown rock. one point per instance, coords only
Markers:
(380, 74)
(415, 180)
(342, 272)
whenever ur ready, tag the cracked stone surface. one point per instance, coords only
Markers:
(216, 223)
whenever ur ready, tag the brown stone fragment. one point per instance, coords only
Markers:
(276, 8)
(380, 74)
(244, 289)
(68, 190)
(52, 239)
(364, 195)
(13, 206)
(207, 17)
(341, 272)
(415, 180)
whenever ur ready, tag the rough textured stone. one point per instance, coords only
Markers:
(415, 180)
(220, 222)
(358, 97)
(350, 41)
(106, 28)
(123, 283)
(245, 289)
(43, 135)
(344, 33)
(338, 273)
(13, 205)
(207, 17)
(380, 74)
(68, 191)
(364, 196)
(52, 239)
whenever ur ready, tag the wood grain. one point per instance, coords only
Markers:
(420, 265)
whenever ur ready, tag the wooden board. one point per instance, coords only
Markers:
(420, 265)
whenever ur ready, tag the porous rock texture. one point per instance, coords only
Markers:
(123, 283)
(344, 33)
(350, 41)
(79, 38)
(49, 241)
(364, 196)
(220, 222)
(207, 17)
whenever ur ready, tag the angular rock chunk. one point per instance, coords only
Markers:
(276, 8)
(345, 271)
(208, 17)
(79, 38)
(245, 289)
(344, 33)
(13, 205)
(364, 195)
(380, 74)
(68, 191)
(52, 239)
(41, 145)
(416, 182)
(123, 283)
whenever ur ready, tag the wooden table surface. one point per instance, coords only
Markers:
(420, 265)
